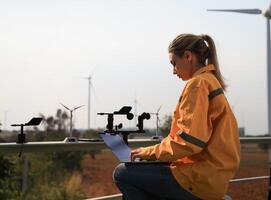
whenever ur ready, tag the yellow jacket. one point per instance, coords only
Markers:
(203, 144)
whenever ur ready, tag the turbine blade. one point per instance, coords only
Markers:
(246, 11)
(78, 107)
(159, 108)
(96, 68)
(86, 77)
(65, 107)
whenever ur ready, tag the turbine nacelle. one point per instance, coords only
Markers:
(267, 13)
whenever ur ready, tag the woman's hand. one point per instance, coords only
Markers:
(135, 154)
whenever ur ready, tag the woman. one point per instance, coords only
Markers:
(203, 144)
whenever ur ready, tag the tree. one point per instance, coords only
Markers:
(7, 190)
(59, 122)
(165, 128)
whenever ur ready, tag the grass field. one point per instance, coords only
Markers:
(252, 164)
(96, 176)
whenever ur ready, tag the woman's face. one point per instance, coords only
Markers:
(182, 66)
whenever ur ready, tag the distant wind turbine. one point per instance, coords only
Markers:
(157, 119)
(71, 111)
(267, 15)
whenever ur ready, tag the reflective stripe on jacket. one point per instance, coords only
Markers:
(203, 144)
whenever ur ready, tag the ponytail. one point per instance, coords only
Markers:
(213, 60)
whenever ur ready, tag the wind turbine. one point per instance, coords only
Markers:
(157, 119)
(71, 111)
(267, 15)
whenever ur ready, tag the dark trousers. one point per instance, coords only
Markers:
(149, 182)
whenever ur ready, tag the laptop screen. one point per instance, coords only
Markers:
(118, 146)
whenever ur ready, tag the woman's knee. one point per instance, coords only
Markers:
(119, 172)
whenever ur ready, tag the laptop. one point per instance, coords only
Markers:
(122, 151)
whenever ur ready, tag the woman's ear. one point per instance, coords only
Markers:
(188, 56)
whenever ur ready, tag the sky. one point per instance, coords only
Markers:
(48, 47)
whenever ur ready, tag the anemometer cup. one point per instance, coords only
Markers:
(130, 116)
(145, 116)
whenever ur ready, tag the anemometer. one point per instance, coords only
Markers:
(125, 110)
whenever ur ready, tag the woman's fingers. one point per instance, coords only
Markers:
(135, 154)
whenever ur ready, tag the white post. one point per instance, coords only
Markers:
(71, 125)
(268, 81)
(269, 94)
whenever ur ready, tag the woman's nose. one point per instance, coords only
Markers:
(174, 71)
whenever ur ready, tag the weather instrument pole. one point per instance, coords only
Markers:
(35, 121)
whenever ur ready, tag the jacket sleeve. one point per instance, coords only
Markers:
(193, 125)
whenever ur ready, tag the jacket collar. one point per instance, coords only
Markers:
(201, 70)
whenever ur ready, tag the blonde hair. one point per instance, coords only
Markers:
(202, 46)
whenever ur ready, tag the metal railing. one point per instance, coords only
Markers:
(86, 145)
(99, 145)
(109, 197)
(54, 146)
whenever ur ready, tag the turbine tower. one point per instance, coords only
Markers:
(89, 97)
(89, 86)
(267, 15)
(157, 119)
